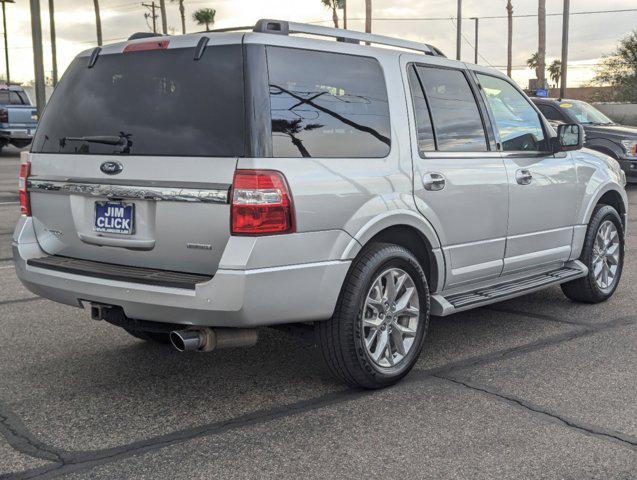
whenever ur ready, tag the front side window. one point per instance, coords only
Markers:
(327, 105)
(456, 117)
(517, 121)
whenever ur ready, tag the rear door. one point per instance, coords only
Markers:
(134, 157)
(543, 187)
(460, 181)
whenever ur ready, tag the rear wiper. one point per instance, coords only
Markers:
(122, 140)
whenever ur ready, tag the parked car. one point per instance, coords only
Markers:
(602, 134)
(195, 188)
(18, 118)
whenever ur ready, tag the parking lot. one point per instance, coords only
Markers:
(537, 387)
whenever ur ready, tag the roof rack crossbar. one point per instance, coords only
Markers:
(282, 27)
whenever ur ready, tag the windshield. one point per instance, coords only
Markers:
(162, 101)
(583, 112)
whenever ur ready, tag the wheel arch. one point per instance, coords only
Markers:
(408, 230)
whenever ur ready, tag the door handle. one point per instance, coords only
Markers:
(433, 181)
(523, 177)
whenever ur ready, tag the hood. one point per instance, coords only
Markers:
(619, 131)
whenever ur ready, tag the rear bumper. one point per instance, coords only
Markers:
(232, 298)
(22, 133)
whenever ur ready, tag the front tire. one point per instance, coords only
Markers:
(603, 254)
(379, 325)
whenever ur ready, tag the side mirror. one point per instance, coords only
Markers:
(570, 136)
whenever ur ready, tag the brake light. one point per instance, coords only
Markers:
(4, 115)
(261, 203)
(25, 205)
(145, 46)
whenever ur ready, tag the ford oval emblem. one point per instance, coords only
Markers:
(111, 168)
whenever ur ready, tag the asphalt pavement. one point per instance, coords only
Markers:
(536, 387)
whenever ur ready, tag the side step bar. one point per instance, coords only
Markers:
(442, 305)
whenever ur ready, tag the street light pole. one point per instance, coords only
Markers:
(565, 20)
(6, 40)
(475, 42)
(459, 30)
(54, 55)
(38, 56)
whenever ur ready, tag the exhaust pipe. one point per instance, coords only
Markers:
(203, 339)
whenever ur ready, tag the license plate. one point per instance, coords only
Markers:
(113, 217)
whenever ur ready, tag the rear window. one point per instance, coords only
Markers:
(167, 103)
(9, 97)
(327, 105)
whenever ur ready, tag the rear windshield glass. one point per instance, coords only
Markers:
(163, 101)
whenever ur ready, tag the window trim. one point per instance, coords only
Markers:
(437, 153)
(369, 57)
(543, 123)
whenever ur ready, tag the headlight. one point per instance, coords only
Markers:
(631, 148)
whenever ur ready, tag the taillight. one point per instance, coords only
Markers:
(25, 205)
(4, 115)
(261, 203)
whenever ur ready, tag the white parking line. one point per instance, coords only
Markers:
(9, 203)
(8, 266)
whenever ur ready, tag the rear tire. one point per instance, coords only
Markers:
(604, 238)
(156, 337)
(379, 325)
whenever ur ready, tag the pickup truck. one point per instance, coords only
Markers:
(18, 118)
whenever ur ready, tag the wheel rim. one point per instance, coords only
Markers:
(606, 256)
(390, 317)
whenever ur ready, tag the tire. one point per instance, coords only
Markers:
(342, 339)
(156, 337)
(588, 289)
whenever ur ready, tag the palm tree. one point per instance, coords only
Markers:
(334, 5)
(541, 47)
(98, 21)
(292, 128)
(509, 38)
(555, 71)
(533, 63)
(164, 20)
(368, 16)
(182, 13)
(205, 16)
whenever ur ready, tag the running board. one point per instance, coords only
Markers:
(442, 305)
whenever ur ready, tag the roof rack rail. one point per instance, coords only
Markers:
(282, 27)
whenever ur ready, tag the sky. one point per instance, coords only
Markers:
(591, 35)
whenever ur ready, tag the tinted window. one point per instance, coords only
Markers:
(550, 113)
(517, 121)
(10, 98)
(327, 105)
(168, 103)
(424, 132)
(456, 118)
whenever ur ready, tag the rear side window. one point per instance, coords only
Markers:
(424, 130)
(456, 118)
(327, 105)
(551, 113)
(168, 103)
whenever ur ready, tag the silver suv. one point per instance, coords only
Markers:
(198, 187)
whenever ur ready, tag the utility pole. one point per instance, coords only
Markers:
(475, 42)
(98, 22)
(54, 54)
(38, 57)
(565, 19)
(541, 50)
(509, 38)
(345, 14)
(164, 20)
(151, 6)
(6, 40)
(459, 31)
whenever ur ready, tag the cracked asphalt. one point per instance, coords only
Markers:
(536, 387)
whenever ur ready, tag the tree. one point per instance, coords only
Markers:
(555, 71)
(619, 69)
(334, 5)
(509, 37)
(533, 62)
(541, 44)
(164, 19)
(182, 13)
(205, 16)
(368, 16)
(98, 21)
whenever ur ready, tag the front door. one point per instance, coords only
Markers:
(460, 182)
(542, 186)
